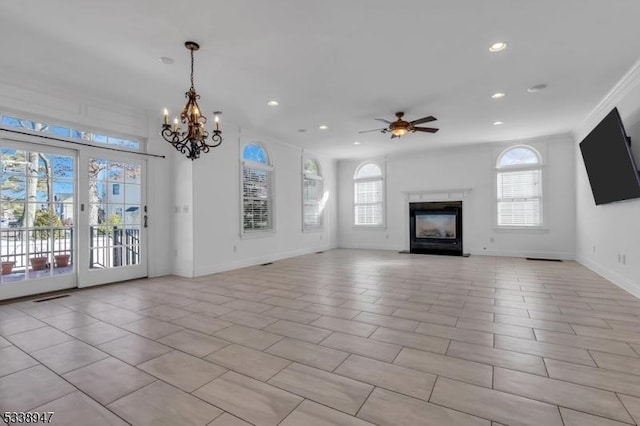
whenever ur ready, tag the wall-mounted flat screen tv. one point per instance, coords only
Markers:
(610, 165)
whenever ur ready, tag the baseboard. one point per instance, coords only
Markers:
(371, 247)
(523, 253)
(258, 260)
(621, 281)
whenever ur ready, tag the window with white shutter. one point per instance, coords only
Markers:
(519, 188)
(368, 192)
(257, 189)
(312, 195)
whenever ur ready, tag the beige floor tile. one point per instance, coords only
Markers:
(361, 346)
(497, 328)
(322, 300)
(442, 365)
(69, 320)
(151, 328)
(202, 323)
(252, 363)
(291, 315)
(585, 342)
(181, 370)
(453, 333)
(74, 406)
(345, 326)
(13, 359)
(159, 404)
(332, 311)
(30, 388)
(249, 399)
(118, 316)
(134, 349)
(577, 418)
(368, 307)
(68, 356)
(248, 336)
(584, 319)
(617, 362)
(557, 392)
(227, 419)
(562, 327)
(209, 309)
(412, 340)
(460, 313)
(326, 388)
(4, 342)
(386, 408)
(427, 317)
(45, 309)
(596, 377)
(308, 353)
(498, 357)
(282, 293)
(98, 333)
(245, 305)
(632, 404)
(621, 335)
(311, 414)
(248, 319)
(389, 376)
(286, 303)
(194, 343)
(109, 379)
(39, 338)
(547, 350)
(18, 324)
(298, 331)
(386, 321)
(494, 405)
(165, 313)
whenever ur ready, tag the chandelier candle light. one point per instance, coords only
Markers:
(193, 140)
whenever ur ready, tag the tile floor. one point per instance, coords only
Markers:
(345, 337)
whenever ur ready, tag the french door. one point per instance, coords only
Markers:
(69, 218)
(112, 219)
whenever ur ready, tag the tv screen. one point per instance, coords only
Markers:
(612, 171)
(436, 225)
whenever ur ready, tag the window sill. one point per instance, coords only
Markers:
(537, 229)
(313, 230)
(248, 235)
(369, 227)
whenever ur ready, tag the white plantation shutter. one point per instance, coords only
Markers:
(369, 196)
(519, 193)
(257, 195)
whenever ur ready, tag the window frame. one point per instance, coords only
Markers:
(540, 165)
(381, 178)
(268, 167)
(318, 178)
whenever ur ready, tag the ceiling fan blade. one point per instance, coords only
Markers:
(424, 120)
(374, 130)
(425, 129)
(383, 120)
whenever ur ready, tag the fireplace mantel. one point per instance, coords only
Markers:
(452, 194)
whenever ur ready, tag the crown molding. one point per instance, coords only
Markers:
(630, 80)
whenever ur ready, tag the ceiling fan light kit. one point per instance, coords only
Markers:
(401, 127)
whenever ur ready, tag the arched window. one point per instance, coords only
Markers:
(257, 189)
(519, 187)
(368, 190)
(312, 193)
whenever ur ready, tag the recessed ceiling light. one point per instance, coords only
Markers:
(166, 60)
(498, 46)
(323, 127)
(498, 95)
(536, 88)
(273, 103)
(497, 123)
(356, 143)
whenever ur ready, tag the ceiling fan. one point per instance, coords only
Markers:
(400, 127)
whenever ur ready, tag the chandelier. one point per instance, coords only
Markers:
(193, 140)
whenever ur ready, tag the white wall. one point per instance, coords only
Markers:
(217, 243)
(606, 231)
(473, 168)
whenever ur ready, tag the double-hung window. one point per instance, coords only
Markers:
(368, 188)
(519, 188)
(257, 189)
(312, 195)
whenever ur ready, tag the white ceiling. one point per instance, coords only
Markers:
(336, 62)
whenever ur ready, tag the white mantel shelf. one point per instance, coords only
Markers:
(457, 194)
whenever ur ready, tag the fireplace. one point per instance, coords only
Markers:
(436, 228)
